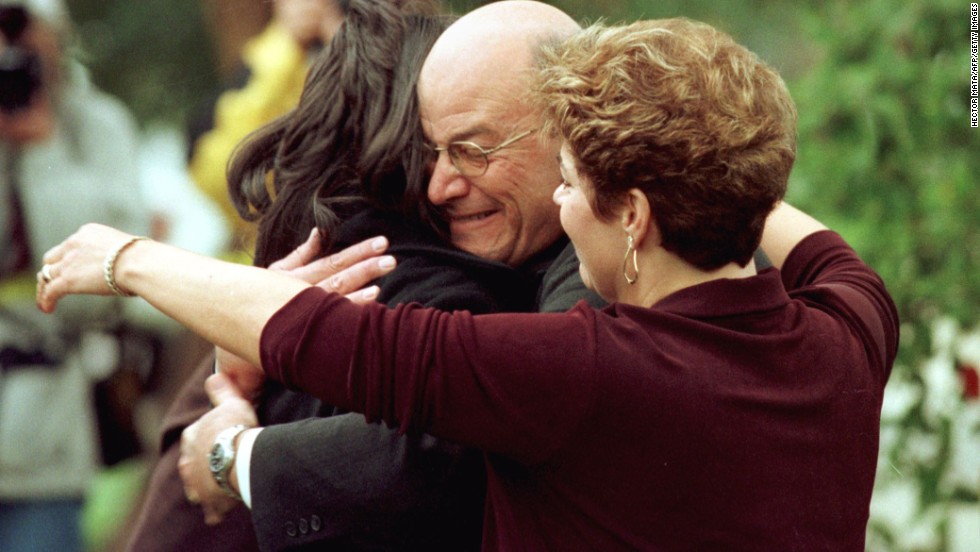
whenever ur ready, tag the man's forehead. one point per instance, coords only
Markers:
(444, 124)
(473, 80)
(470, 110)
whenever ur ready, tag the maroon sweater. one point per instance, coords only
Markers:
(731, 415)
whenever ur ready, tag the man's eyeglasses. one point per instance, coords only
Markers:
(469, 158)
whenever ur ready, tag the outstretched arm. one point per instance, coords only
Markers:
(225, 303)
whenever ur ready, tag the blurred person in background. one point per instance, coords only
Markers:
(68, 155)
(275, 65)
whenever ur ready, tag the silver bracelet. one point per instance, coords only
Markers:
(109, 266)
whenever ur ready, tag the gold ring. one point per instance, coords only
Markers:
(46, 273)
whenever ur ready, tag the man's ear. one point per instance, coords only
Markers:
(636, 217)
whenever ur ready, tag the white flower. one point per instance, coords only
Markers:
(901, 394)
(968, 348)
(963, 471)
(964, 528)
(943, 390)
(896, 505)
(944, 333)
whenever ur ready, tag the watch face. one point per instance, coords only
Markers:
(217, 459)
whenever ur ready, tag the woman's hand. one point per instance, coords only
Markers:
(347, 272)
(75, 266)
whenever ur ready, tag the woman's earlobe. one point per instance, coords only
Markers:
(636, 216)
(631, 209)
(627, 220)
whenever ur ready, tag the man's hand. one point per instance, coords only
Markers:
(346, 272)
(248, 379)
(230, 408)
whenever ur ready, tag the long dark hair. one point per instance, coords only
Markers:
(354, 139)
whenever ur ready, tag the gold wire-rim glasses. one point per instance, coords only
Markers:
(474, 160)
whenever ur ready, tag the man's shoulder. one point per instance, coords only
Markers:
(562, 286)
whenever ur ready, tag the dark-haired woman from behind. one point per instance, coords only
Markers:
(341, 163)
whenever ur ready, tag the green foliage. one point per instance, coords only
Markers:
(887, 155)
(155, 55)
(888, 159)
(772, 40)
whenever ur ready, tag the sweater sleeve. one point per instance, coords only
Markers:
(824, 270)
(511, 384)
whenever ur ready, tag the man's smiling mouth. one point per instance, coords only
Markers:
(474, 217)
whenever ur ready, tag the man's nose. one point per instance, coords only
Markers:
(446, 184)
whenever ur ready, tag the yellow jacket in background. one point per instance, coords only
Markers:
(278, 67)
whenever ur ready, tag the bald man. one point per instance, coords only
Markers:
(470, 90)
(337, 482)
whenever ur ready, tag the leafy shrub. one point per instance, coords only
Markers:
(887, 158)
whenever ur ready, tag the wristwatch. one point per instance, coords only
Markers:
(222, 457)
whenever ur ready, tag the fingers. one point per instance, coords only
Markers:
(185, 464)
(324, 268)
(246, 378)
(216, 504)
(220, 389)
(54, 254)
(46, 295)
(356, 253)
(344, 272)
(300, 256)
(356, 277)
(364, 296)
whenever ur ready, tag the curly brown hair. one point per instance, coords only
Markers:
(678, 110)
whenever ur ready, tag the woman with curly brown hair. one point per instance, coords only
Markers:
(709, 407)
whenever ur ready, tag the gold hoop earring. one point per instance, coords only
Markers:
(636, 267)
